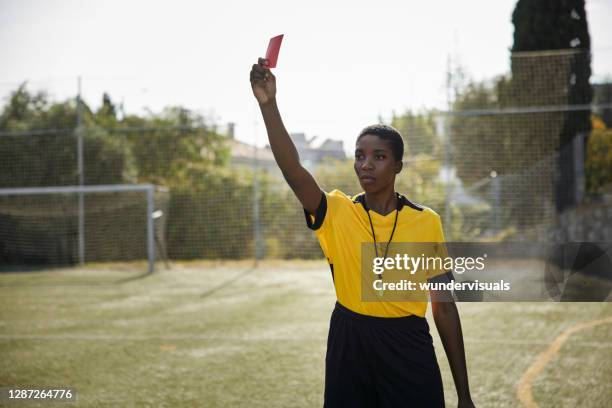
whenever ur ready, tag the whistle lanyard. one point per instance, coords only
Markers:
(392, 231)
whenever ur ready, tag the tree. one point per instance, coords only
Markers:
(418, 131)
(170, 145)
(599, 158)
(34, 159)
(176, 148)
(560, 78)
(106, 115)
(482, 143)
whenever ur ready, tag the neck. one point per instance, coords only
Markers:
(382, 202)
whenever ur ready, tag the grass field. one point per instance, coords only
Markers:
(229, 335)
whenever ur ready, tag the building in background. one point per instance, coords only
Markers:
(311, 156)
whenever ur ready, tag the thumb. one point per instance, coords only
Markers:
(269, 75)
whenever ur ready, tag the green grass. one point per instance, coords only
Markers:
(227, 335)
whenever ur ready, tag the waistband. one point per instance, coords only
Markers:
(412, 321)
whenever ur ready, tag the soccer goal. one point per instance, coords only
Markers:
(78, 224)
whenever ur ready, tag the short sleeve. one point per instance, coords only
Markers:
(331, 203)
(315, 222)
(322, 221)
(441, 252)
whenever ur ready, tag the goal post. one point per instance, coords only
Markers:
(56, 202)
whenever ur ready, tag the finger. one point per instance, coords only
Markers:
(261, 69)
(258, 68)
(257, 75)
(257, 83)
(269, 76)
(263, 62)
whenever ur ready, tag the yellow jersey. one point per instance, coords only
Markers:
(341, 225)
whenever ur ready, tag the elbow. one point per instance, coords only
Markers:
(290, 179)
(293, 175)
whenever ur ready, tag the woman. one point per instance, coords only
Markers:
(379, 354)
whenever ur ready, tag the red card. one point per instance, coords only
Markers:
(273, 49)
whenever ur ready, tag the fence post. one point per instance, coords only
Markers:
(80, 165)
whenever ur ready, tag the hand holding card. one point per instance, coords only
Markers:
(263, 81)
(273, 50)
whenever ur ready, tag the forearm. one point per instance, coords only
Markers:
(448, 324)
(263, 84)
(282, 146)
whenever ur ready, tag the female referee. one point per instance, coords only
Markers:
(379, 354)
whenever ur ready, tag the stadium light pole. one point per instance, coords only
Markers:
(79, 132)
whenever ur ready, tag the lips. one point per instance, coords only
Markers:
(366, 177)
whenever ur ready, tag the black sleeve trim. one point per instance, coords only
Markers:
(319, 214)
(443, 278)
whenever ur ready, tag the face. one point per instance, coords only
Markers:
(375, 164)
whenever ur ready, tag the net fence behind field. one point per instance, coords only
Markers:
(496, 166)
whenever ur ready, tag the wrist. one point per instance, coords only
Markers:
(269, 103)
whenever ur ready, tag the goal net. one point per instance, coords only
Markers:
(77, 224)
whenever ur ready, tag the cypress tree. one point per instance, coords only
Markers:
(560, 78)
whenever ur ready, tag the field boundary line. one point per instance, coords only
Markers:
(524, 387)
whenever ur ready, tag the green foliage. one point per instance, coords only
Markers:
(158, 148)
(283, 222)
(418, 180)
(36, 160)
(208, 208)
(175, 148)
(418, 131)
(169, 145)
(598, 166)
(481, 143)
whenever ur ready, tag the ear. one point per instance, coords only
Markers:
(398, 166)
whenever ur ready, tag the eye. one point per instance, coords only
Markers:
(380, 157)
(358, 156)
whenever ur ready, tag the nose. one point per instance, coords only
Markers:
(367, 164)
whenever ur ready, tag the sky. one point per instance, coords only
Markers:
(342, 64)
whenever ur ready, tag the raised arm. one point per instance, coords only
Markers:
(263, 83)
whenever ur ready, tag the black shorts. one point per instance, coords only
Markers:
(380, 362)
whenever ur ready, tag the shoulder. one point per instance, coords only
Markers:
(333, 204)
(337, 197)
(413, 206)
(337, 194)
(421, 209)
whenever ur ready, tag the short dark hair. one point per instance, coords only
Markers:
(388, 134)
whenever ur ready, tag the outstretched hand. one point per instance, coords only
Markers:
(263, 82)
